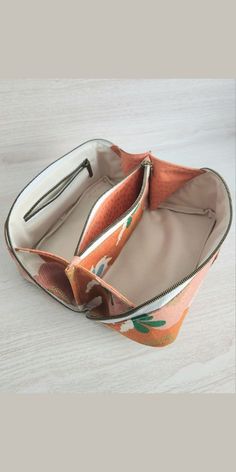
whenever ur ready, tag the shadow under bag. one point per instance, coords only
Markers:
(125, 239)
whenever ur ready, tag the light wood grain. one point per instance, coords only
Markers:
(45, 347)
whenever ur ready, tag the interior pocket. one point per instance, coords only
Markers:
(101, 251)
(52, 194)
(63, 237)
(202, 226)
(111, 207)
(86, 270)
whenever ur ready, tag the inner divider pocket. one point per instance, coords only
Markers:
(91, 293)
(113, 205)
(73, 284)
(103, 251)
(85, 271)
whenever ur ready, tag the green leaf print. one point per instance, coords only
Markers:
(156, 323)
(145, 317)
(144, 322)
(129, 221)
(140, 327)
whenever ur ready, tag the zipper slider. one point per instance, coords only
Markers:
(88, 166)
(147, 163)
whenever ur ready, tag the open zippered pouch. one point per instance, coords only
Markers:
(124, 238)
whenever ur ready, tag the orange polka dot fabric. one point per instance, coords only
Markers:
(113, 207)
(165, 178)
(129, 161)
(110, 248)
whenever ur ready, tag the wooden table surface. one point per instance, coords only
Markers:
(46, 348)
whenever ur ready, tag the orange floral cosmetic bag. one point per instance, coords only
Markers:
(124, 239)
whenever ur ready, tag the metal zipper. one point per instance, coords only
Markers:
(185, 279)
(67, 180)
(145, 163)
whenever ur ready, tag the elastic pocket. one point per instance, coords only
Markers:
(57, 190)
(187, 210)
(208, 216)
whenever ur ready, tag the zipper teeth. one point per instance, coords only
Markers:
(185, 279)
(67, 180)
(143, 164)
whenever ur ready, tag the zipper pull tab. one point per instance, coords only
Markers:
(88, 166)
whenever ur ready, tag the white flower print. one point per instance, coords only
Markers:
(126, 326)
(126, 224)
(123, 228)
